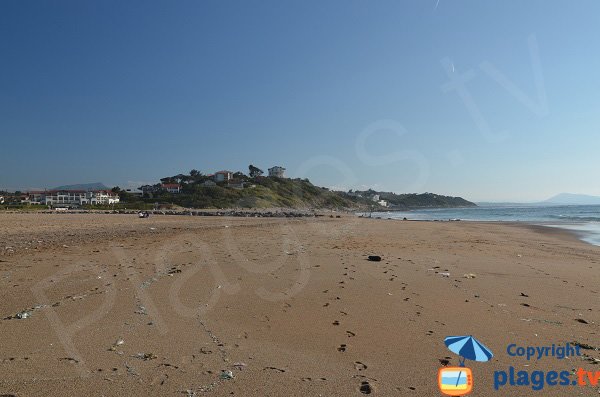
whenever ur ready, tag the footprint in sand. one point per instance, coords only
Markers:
(359, 366)
(350, 334)
(342, 348)
(336, 322)
(365, 387)
(444, 361)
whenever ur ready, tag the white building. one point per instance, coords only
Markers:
(71, 197)
(65, 197)
(277, 172)
(172, 187)
(209, 183)
(101, 197)
(223, 176)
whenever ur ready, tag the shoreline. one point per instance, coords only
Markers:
(585, 231)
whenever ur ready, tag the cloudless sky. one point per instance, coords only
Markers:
(352, 94)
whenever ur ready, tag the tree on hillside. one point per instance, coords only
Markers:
(168, 179)
(254, 171)
(180, 178)
(196, 176)
(239, 176)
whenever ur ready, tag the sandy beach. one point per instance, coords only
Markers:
(107, 305)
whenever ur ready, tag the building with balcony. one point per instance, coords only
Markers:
(277, 172)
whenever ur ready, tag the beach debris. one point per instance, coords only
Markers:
(23, 315)
(131, 370)
(519, 255)
(117, 343)
(226, 374)
(374, 258)
(470, 275)
(239, 365)
(542, 321)
(141, 310)
(146, 356)
(444, 274)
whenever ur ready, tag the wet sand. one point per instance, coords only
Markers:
(117, 305)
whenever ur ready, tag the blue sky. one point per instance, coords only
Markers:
(352, 94)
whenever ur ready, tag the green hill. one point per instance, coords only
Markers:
(259, 192)
(414, 200)
(269, 192)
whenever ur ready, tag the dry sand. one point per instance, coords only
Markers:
(290, 306)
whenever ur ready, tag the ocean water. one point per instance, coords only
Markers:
(584, 220)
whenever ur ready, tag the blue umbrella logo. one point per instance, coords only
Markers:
(469, 348)
(458, 381)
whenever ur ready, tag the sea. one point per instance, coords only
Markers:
(583, 220)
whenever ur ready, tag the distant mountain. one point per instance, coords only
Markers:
(83, 186)
(573, 199)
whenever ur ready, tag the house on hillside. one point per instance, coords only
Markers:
(277, 172)
(209, 183)
(223, 176)
(172, 187)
